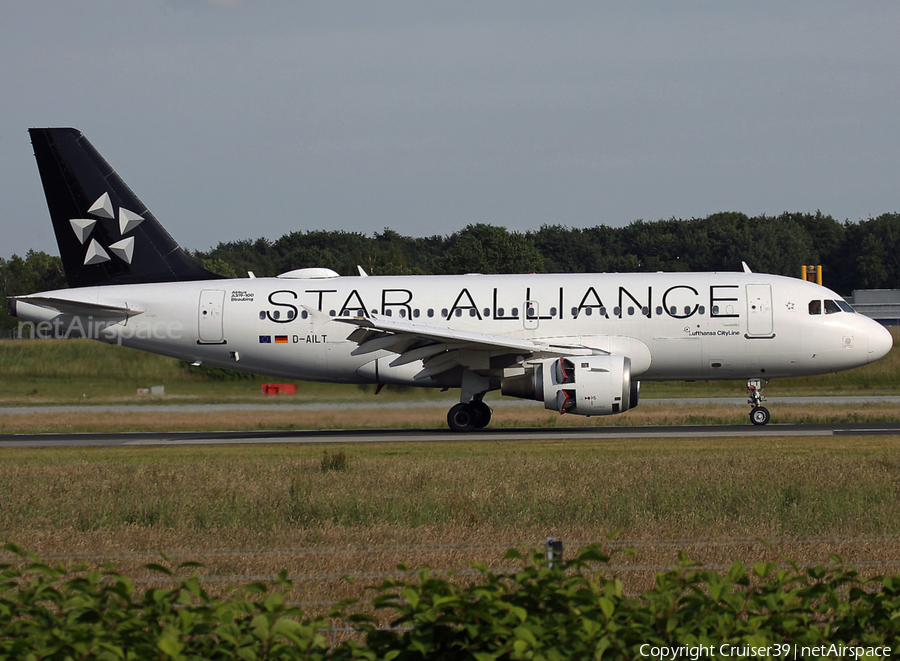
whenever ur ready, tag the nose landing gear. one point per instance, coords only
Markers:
(759, 415)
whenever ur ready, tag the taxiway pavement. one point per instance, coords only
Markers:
(772, 402)
(308, 437)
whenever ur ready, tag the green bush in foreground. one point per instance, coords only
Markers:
(571, 611)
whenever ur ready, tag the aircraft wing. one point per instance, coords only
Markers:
(441, 348)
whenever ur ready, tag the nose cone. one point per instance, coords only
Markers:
(880, 342)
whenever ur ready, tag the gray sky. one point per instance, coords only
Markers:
(244, 119)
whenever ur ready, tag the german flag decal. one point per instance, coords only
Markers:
(281, 339)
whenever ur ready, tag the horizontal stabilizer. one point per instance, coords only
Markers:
(79, 308)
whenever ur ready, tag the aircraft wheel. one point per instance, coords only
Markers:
(759, 415)
(462, 417)
(482, 414)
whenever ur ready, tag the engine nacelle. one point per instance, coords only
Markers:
(584, 385)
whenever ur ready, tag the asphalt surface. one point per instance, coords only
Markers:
(427, 436)
(307, 437)
(771, 402)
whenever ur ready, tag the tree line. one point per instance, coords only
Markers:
(855, 255)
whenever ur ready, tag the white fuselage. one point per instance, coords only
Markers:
(673, 326)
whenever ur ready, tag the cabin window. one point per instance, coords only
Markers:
(403, 313)
(416, 313)
(815, 307)
(388, 312)
(499, 312)
(630, 311)
(472, 312)
(331, 313)
(444, 313)
(831, 307)
(602, 311)
(458, 312)
(487, 312)
(687, 310)
(531, 312)
(515, 312)
(673, 310)
(645, 311)
(276, 314)
(430, 312)
(617, 311)
(715, 309)
(659, 310)
(701, 310)
(262, 315)
(304, 314)
(588, 311)
(552, 312)
(574, 312)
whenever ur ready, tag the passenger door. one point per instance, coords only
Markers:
(759, 311)
(211, 328)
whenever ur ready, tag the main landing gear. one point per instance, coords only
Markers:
(759, 415)
(471, 412)
(468, 416)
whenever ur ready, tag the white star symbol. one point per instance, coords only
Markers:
(103, 208)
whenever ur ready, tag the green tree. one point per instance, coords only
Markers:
(871, 255)
(218, 265)
(38, 271)
(486, 248)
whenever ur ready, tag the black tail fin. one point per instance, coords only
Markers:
(105, 234)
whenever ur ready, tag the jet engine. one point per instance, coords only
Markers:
(584, 385)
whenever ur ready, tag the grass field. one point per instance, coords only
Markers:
(69, 371)
(425, 415)
(249, 511)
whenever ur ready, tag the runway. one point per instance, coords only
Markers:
(772, 402)
(523, 435)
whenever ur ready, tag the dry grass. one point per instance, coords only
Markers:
(435, 417)
(249, 511)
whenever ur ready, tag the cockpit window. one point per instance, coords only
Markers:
(845, 306)
(829, 307)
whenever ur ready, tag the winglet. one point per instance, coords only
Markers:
(318, 317)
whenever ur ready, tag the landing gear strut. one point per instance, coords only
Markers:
(471, 412)
(759, 415)
(468, 416)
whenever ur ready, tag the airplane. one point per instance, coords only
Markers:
(579, 343)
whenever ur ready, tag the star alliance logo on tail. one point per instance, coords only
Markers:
(103, 208)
